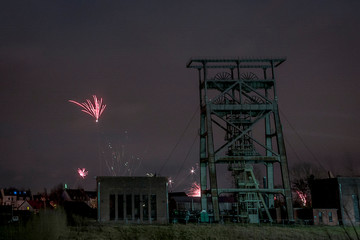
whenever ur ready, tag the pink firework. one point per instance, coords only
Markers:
(95, 110)
(302, 197)
(82, 172)
(195, 190)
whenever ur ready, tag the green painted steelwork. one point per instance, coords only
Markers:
(235, 101)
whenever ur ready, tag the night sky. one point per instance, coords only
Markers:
(133, 55)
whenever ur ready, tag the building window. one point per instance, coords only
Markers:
(356, 207)
(145, 205)
(330, 217)
(153, 207)
(129, 207)
(120, 207)
(112, 207)
(137, 207)
(320, 217)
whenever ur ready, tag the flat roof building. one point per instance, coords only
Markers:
(132, 199)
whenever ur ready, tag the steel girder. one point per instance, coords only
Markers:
(237, 102)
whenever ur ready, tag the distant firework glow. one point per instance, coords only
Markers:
(170, 182)
(302, 197)
(195, 190)
(82, 172)
(95, 110)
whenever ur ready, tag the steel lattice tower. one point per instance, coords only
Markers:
(243, 107)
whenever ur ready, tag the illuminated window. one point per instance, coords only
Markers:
(27, 208)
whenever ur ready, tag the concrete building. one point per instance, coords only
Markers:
(341, 193)
(132, 199)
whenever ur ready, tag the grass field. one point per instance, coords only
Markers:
(213, 231)
(53, 225)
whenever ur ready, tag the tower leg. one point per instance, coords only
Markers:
(203, 163)
(284, 166)
(270, 182)
(203, 185)
(212, 167)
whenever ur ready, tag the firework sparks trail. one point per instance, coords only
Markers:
(195, 190)
(95, 110)
(302, 197)
(193, 170)
(189, 176)
(119, 162)
(170, 182)
(82, 172)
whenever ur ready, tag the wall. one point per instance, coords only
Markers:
(325, 217)
(349, 190)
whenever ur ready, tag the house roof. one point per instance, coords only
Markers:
(36, 204)
(75, 195)
(91, 194)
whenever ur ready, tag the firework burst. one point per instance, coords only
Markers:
(82, 172)
(302, 197)
(170, 182)
(195, 190)
(95, 110)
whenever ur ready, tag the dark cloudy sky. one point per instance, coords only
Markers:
(133, 54)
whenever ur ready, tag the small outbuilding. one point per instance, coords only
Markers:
(341, 194)
(132, 199)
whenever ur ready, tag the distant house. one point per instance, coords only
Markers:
(79, 202)
(92, 198)
(340, 194)
(18, 199)
(36, 205)
(80, 195)
(77, 195)
(24, 205)
(7, 199)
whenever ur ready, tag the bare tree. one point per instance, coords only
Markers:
(301, 175)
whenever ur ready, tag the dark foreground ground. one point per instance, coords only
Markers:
(54, 225)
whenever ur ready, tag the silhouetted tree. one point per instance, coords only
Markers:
(56, 194)
(301, 176)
